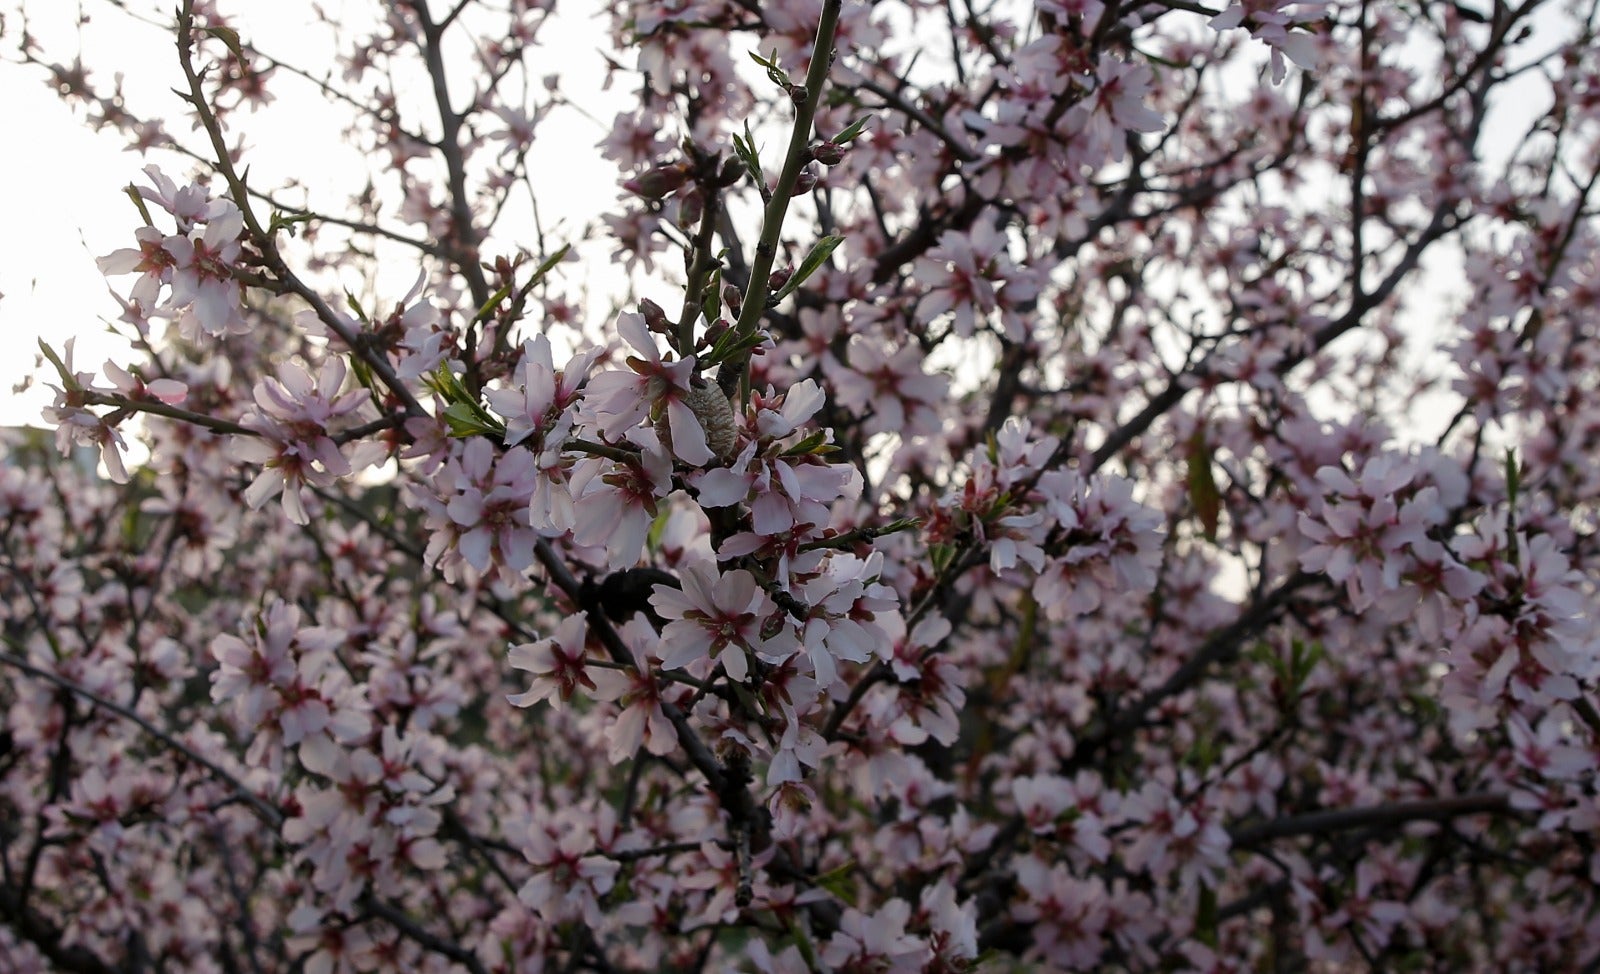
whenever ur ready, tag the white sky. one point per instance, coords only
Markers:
(64, 204)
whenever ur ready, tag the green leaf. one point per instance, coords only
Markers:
(809, 445)
(447, 385)
(363, 373)
(775, 74)
(898, 525)
(1303, 659)
(466, 419)
(494, 302)
(355, 307)
(820, 252)
(802, 943)
(745, 148)
(138, 201)
(850, 134)
(230, 37)
(289, 222)
(1205, 920)
(69, 381)
(547, 265)
(711, 295)
(1203, 494)
(837, 881)
(730, 344)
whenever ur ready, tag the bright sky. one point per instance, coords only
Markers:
(65, 205)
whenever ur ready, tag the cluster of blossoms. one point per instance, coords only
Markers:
(1001, 561)
(189, 276)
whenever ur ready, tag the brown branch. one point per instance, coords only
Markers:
(35, 929)
(1371, 816)
(269, 813)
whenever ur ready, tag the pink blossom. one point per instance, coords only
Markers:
(616, 501)
(650, 387)
(557, 662)
(717, 617)
(293, 419)
(538, 409)
(638, 691)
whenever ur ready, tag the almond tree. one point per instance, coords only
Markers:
(1027, 514)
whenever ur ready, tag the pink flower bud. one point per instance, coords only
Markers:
(655, 318)
(828, 153)
(656, 182)
(691, 207)
(804, 183)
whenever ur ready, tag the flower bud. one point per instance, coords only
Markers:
(714, 332)
(732, 298)
(691, 207)
(797, 94)
(804, 183)
(731, 172)
(780, 277)
(658, 181)
(828, 153)
(655, 318)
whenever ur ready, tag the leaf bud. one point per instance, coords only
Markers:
(731, 172)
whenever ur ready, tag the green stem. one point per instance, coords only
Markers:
(699, 271)
(732, 374)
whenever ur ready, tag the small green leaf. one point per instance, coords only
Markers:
(1203, 494)
(138, 201)
(775, 74)
(355, 307)
(1205, 921)
(494, 302)
(230, 37)
(820, 252)
(745, 148)
(808, 445)
(61, 368)
(837, 881)
(547, 265)
(730, 344)
(711, 295)
(446, 385)
(465, 419)
(287, 221)
(850, 134)
(898, 525)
